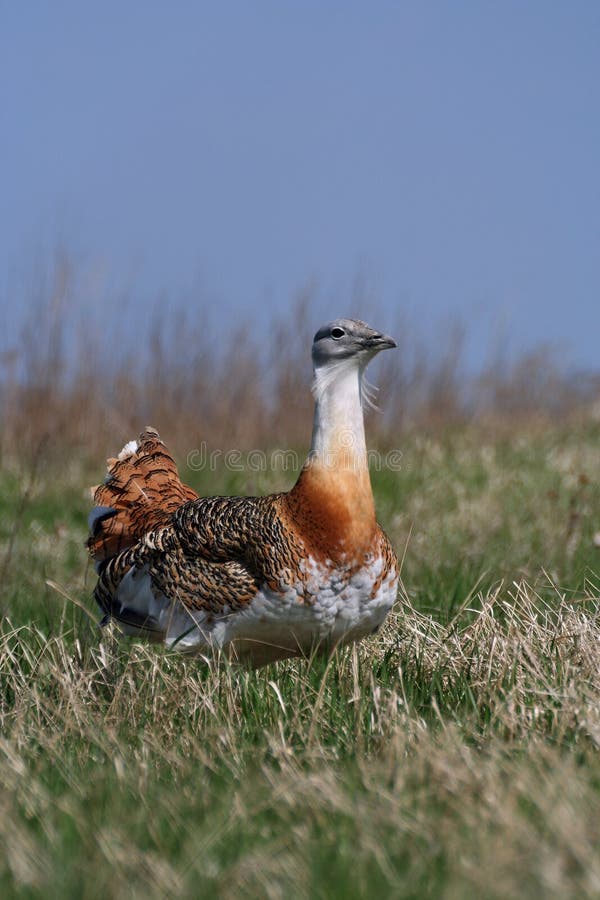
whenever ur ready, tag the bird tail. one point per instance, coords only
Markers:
(141, 490)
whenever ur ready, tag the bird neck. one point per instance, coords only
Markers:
(338, 437)
(332, 500)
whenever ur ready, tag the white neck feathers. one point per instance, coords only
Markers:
(338, 438)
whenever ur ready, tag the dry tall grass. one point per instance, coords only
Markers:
(67, 384)
(455, 761)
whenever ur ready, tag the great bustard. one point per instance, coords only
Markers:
(261, 578)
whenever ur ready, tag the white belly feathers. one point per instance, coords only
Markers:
(330, 605)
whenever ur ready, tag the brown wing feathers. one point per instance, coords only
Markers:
(141, 491)
(205, 553)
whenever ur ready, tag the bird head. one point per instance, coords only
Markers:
(346, 340)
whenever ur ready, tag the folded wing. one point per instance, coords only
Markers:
(167, 558)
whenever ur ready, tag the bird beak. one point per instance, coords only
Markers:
(379, 342)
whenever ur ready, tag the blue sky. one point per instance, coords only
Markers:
(444, 154)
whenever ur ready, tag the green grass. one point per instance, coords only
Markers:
(454, 754)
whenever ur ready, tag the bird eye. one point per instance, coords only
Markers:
(337, 333)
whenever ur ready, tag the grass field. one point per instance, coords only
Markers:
(453, 755)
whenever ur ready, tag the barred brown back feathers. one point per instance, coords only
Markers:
(141, 490)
